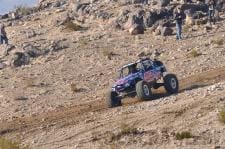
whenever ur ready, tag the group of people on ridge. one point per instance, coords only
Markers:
(179, 16)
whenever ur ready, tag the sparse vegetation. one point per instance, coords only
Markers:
(7, 144)
(72, 26)
(183, 135)
(221, 116)
(84, 42)
(74, 88)
(24, 10)
(107, 53)
(125, 129)
(177, 113)
(218, 42)
(128, 129)
(193, 53)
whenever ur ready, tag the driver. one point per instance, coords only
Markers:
(147, 65)
(133, 69)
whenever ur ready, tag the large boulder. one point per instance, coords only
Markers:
(151, 18)
(20, 59)
(45, 4)
(118, 22)
(136, 29)
(79, 7)
(194, 7)
(32, 51)
(5, 16)
(163, 3)
(135, 23)
(84, 9)
(157, 14)
(166, 31)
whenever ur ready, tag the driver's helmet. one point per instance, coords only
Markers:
(133, 68)
(147, 65)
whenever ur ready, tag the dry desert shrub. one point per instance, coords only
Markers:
(8, 144)
(183, 135)
(74, 88)
(72, 26)
(193, 53)
(221, 116)
(218, 42)
(125, 129)
(107, 53)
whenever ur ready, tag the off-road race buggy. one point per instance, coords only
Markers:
(138, 79)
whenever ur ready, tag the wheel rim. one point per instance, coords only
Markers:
(173, 83)
(146, 90)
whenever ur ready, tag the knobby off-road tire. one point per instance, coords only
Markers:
(143, 90)
(113, 100)
(171, 84)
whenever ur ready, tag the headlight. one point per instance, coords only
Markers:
(113, 89)
(127, 85)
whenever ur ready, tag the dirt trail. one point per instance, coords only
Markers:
(70, 116)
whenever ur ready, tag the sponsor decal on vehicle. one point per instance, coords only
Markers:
(151, 75)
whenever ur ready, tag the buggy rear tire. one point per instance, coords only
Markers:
(113, 100)
(171, 84)
(143, 90)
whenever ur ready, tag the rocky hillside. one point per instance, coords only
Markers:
(64, 55)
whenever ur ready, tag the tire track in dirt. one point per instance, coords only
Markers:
(63, 117)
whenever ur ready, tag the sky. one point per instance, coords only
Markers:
(7, 5)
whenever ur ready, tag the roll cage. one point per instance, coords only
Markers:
(140, 65)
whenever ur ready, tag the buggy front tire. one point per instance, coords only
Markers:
(143, 90)
(113, 100)
(171, 84)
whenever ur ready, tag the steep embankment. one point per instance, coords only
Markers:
(92, 123)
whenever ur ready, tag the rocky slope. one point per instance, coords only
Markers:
(53, 96)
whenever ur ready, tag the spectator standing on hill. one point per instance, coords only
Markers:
(3, 36)
(211, 11)
(179, 17)
(219, 8)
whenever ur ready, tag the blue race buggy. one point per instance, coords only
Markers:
(138, 78)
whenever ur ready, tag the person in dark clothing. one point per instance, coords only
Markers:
(179, 17)
(211, 11)
(219, 7)
(133, 69)
(3, 36)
